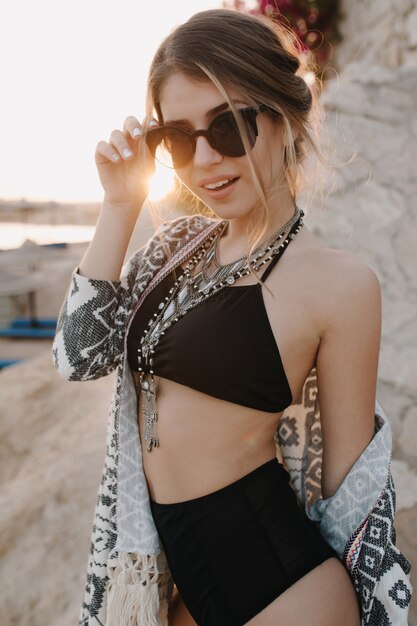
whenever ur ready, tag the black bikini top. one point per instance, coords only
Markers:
(223, 347)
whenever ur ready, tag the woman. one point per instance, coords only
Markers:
(215, 354)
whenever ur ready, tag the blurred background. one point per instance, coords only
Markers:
(70, 74)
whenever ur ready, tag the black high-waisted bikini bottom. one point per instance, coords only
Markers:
(233, 551)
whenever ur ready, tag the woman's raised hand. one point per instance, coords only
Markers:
(125, 165)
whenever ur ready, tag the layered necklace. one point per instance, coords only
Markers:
(190, 290)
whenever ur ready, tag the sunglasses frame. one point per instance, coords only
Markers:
(250, 114)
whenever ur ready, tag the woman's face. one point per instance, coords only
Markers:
(190, 101)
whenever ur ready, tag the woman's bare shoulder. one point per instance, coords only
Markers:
(334, 279)
(328, 264)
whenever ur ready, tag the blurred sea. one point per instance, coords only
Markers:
(13, 234)
(46, 222)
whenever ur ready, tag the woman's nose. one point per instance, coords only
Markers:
(205, 154)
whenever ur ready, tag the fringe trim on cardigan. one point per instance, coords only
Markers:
(139, 590)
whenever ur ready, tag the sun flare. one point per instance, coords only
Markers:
(161, 183)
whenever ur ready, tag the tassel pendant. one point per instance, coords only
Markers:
(149, 410)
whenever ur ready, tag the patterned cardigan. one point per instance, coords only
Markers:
(128, 579)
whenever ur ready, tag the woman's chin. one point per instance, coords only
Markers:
(229, 210)
(229, 213)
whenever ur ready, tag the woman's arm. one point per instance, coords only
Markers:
(105, 254)
(88, 340)
(347, 367)
(87, 344)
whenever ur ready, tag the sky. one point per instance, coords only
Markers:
(70, 73)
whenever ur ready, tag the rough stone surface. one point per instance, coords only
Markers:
(405, 481)
(380, 32)
(373, 213)
(408, 437)
(372, 210)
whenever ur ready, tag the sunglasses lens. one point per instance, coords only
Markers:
(226, 137)
(171, 147)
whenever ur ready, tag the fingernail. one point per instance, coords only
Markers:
(136, 132)
(116, 157)
(127, 153)
(153, 123)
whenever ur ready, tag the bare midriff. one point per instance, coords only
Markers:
(205, 443)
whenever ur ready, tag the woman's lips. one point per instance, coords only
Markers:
(222, 192)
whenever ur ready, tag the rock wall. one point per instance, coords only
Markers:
(378, 32)
(371, 209)
(373, 213)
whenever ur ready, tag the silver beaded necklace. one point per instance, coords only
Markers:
(188, 292)
(228, 271)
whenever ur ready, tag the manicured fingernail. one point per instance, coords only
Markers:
(153, 123)
(136, 132)
(116, 157)
(127, 153)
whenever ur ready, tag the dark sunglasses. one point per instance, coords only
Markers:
(174, 147)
